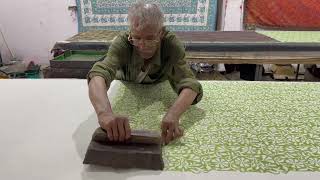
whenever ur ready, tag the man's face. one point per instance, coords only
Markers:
(146, 40)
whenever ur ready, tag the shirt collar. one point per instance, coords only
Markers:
(156, 58)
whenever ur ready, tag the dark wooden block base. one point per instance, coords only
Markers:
(124, 156)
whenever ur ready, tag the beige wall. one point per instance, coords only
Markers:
(32, 27)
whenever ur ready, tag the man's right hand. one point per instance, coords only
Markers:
(117, 127)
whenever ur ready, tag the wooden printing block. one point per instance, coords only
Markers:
(142, 150)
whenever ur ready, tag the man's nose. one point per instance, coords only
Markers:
(141, 44)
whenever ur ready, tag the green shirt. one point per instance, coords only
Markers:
(124, 63)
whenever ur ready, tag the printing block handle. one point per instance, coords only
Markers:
(137, 137)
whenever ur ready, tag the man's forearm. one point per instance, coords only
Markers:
(182, 103)
(98, 95)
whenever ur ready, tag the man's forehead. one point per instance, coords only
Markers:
(145, 31)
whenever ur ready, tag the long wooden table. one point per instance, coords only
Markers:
(238, 47)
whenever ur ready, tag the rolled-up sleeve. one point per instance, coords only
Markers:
(180, 75)
(106, 69)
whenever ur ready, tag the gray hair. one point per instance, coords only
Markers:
(145, 14)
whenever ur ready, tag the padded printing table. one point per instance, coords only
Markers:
(242, 47)
(45, 130)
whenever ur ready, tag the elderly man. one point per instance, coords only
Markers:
(148, 53)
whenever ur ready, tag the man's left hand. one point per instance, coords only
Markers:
(170, 128)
